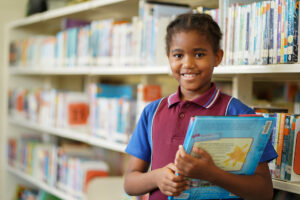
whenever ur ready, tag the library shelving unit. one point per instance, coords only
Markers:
(76, 78)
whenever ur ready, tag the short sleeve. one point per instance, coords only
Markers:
(269, 153)
(236, 107)
(139, 145)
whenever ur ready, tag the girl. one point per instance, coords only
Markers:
(193, 50)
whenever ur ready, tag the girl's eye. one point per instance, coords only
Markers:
(177, 55)
(199, 55)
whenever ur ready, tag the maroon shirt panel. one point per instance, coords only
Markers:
(170, 126)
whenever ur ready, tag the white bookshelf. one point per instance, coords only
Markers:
(40, 184)
(258, 69)
(293, 187)
(49, 22)
(92, 70)
(266, 70)
(70, 134)
(88, 9)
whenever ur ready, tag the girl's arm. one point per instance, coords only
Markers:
(257, 186)
(139, 181)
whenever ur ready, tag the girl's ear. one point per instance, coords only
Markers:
(218, 57)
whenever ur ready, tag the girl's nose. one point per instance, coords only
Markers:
(188, 61)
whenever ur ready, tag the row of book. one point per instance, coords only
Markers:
(259, 33)
(285, 139)
(67, 167)
(107, 111)
(101, 42)
(264, 32)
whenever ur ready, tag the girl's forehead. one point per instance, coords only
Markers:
(188, 36)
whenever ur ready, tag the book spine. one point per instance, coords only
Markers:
(232, 34)
(271, 33)
(275, 30)
(265, 36)
(242, 35)
(289, 149)
(291, 146)
(247, 36)
(252, 34)
(261, 23)
(285, 147)
(279, 26)
(286, 22)
(296, 31)
(237, 35)
(290, 34)
(282, 31)
(280, 141)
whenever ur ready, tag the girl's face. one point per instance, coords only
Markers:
(192, 62)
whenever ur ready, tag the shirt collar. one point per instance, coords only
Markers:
(206, 100)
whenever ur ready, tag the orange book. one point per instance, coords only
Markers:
(91, 174)
(280, 138)
(78, 113)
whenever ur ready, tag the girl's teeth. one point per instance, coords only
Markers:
(189, 75)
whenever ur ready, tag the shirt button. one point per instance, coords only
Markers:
(181, 115)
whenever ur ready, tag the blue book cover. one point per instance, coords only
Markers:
(235, 144)
(116, 91)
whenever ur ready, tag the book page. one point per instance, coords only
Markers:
(228, 153)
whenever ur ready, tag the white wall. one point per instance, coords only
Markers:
(9, 10)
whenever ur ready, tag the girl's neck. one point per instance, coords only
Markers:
(188, 95)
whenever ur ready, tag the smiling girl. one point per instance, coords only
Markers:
(193, 50)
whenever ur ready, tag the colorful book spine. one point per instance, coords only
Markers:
(295, 57)
(265, 32)
(285, 145)
(271, 33)
(283, 29)
(286, 24)
(247, 35)
(279, 27)
(275, 30)
(290, 30)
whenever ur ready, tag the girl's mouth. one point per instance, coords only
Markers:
(189, 76)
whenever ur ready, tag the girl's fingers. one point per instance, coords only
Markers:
(200, 152)
(172, 167)
(182, 151)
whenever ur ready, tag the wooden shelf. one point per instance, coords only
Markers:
(41, 184)
(287, 186)
(70, 134)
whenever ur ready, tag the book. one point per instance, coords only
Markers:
(235, 144)
(295, 163)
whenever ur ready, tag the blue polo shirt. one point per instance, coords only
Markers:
(163, 125)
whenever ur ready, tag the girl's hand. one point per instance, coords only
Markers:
(202, 167)
(169, 183)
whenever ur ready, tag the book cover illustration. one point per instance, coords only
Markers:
(235, 144)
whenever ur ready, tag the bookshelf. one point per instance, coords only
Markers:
(242, 76)
(70, 134)
(286, 186)
(40, 184)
